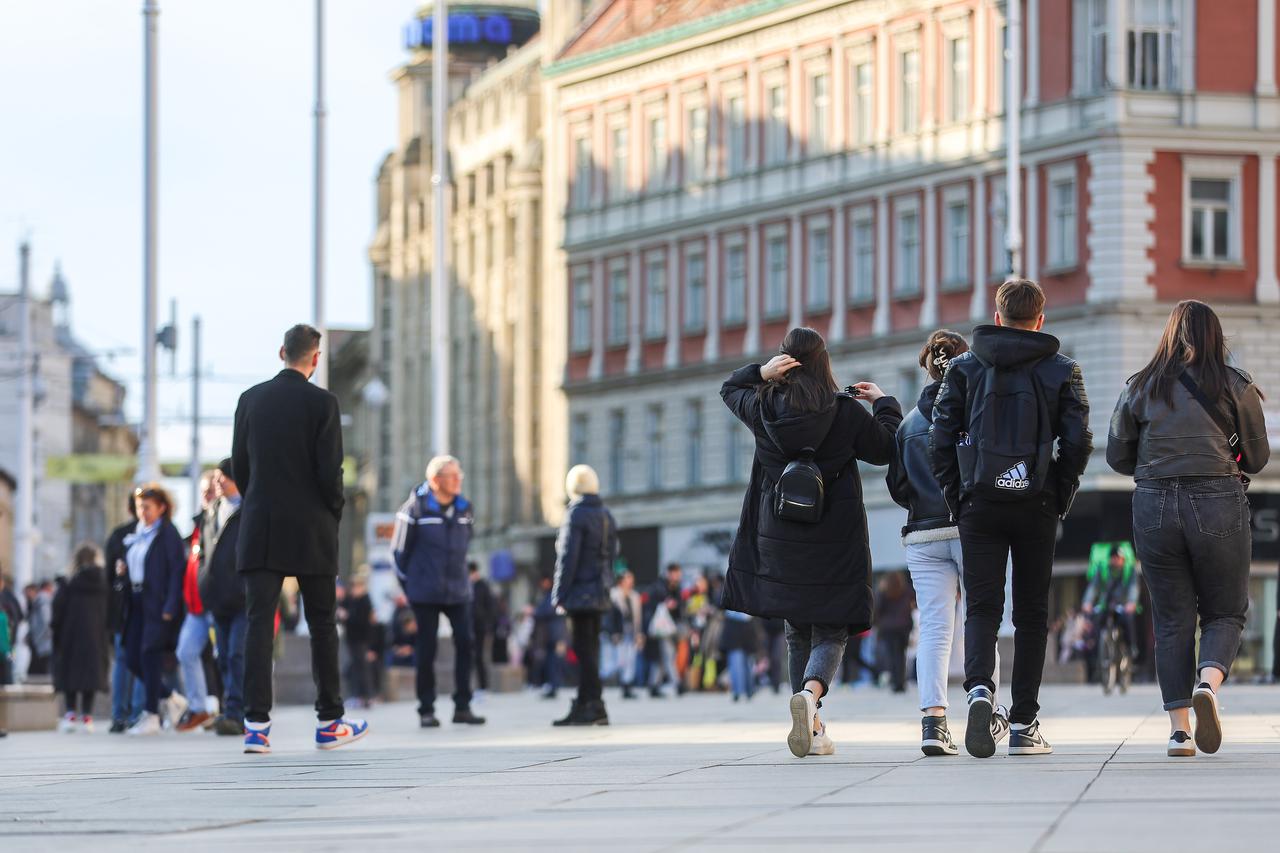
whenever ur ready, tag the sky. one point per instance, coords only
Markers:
(235, 162)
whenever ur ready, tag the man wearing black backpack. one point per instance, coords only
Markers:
(999, 410)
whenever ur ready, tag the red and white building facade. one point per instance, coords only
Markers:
(721, 171)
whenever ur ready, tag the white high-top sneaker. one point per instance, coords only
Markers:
(148, 724)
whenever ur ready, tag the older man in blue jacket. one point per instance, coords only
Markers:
(433, 531)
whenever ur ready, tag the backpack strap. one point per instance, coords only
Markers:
(1227, 427)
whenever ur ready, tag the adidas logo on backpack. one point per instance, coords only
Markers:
(1015, 478)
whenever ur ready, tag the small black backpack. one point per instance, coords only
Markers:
(798, 494)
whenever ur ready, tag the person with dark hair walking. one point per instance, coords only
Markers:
(127, 693)
(80, 639)
(934, 558)
(801, 549)
(585, 550)
(286, 453)
(1189, 429)
(484, 618)
(222, 591)
(999, 411)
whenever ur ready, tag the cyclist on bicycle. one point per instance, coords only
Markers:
(1113, 588)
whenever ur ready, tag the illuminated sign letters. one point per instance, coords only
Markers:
(463, 29)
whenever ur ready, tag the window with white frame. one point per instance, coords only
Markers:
(906, 269)
(1062, 216)
(617, 451)
(619, 305)
(655, 296)
(733, 310)
(735, 134)
(955, 243)
(862, 243)
(998, 226)
(653, 433)
(909, 91)
(958, 77)
(657, 144)
(581, 334)
(693, 442)
(619, 161)
(1211, 203)
(819, 113)
(864, 102)
(695, 158)
(1091, 27)
(776, 131)
(695, 289)
(578, 437)
(817, 295)
(1153, 44)
(775, 275)
(581, 190)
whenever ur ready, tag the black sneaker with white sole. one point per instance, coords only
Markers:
(1027, 740)
(977, 735)
(936, 737)
(999, 723)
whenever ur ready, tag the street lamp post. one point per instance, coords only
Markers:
(440, 270)
(24, 500)
(317, 214)
(148, 469)
(1013, 145)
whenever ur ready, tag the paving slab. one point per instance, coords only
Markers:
(698, 773)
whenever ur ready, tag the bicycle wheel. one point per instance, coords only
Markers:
(1125, 669)
(1107, 662)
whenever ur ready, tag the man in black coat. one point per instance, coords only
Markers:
(286, 454)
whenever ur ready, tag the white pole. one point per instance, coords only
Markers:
(1013, 129)
(317, 213)
(148, 469)
(194, 468)
(439, 271)
(24, 523)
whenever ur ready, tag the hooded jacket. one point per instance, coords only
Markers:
(807, 573)
(1151, 439)
(1062, 385)
(911, 482)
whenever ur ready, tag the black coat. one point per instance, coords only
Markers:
(163, 572)
(806, 573)
(80, 644)
(286, 457)
(221, 587)
(115, 550)
(585, 549)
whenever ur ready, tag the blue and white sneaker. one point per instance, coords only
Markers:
(1027, 740)
(339, 733)
(257, 738)
(979, 739)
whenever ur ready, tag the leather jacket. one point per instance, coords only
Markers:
(910, 479)
(1151, 439)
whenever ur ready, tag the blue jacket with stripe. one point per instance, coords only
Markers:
(430, 548)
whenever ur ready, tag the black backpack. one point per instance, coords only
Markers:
(1010, 439)
(799, 494)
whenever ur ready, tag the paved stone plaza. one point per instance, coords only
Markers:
(695, 773)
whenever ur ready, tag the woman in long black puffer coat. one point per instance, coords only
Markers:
(585, 549)
(815, 575)
(80, 643)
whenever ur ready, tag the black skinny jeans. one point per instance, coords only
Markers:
(990, 532)
(586, 646)
(86, 701)
(428, 616)
(319, 603)
(1193, 538)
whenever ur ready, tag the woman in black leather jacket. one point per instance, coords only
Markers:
(1189, 429)
(585, 549)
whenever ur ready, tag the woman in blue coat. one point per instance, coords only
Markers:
(585, 549)
(155, 561)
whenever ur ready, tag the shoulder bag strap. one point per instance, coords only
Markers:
(1228, 428)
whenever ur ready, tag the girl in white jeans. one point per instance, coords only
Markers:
(932, 542)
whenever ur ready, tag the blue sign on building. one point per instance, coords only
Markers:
(464, 29)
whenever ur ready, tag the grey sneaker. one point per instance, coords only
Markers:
(978, 739)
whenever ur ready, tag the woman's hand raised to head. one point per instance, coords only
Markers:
(778, 367)
(868, 391)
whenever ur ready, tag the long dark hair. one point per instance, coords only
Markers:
(811, 387)
(1192, 338)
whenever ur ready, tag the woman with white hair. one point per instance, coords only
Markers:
(585, 549)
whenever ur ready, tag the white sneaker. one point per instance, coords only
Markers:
(173, 708)
(822, 745)
(148, 724)
(67, 725)
(803, 709)
(86, 725)
(1208, 724)
(1181, 745)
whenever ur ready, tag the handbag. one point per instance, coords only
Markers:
(1228, 427)
(662, 626)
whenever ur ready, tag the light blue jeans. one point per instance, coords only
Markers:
(740, 673)
(128, 695)
(936, 571)
(192, 639)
